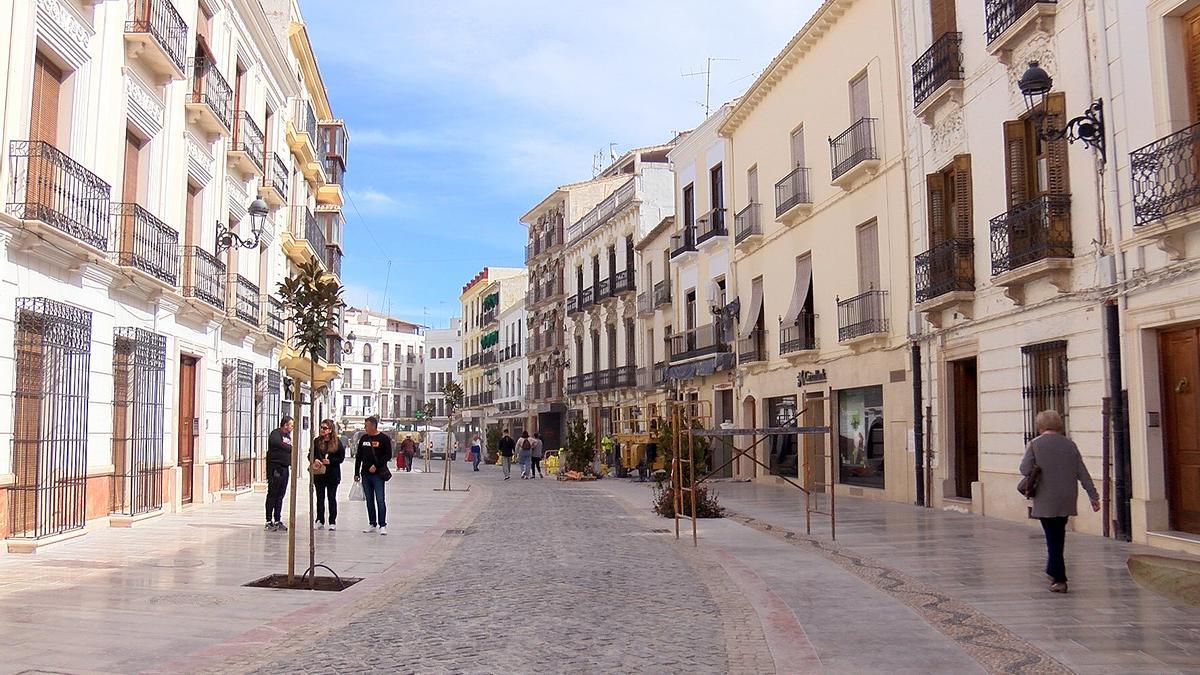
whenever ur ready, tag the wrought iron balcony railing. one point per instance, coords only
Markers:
(753, 348)
(489, 316)
(333, 260)
(603, 289)
(1166, 176)
(700, 341)
(645, 303)
(160, 20)
(203, 276)
(662, 293)
(864, 314)
(248, 138)
(800, 336)
(792, 190)
(945, 268)
(244, 298)
(623, 282)
(747, 223)
(275, 317)
(710, 225)
(572, 304)
(605, 210)
(146, 243)
(1039, 229)
(683, 241)
(853, 147)
(212, 89)
(940, 64)
(304, 120)
(277, 175)
(587, 298)
(1000, 15)
(50, 187)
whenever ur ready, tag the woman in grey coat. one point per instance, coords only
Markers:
(1063, 471)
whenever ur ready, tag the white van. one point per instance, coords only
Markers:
(436, 443)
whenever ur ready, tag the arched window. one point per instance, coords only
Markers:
(366, 352)
(439, 353)
(449, 352)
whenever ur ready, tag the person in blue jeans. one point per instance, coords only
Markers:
(476, 453)
(371, 467)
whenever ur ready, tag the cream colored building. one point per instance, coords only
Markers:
(601, 284)
(483, 299)
(821, 261)
(137, 135)
(656, 317)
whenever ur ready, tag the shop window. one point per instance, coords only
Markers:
(783, 458)
(860, 436)
(1044, 382)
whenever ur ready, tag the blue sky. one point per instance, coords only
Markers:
(463, 115)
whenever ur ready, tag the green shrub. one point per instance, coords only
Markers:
(706, 504)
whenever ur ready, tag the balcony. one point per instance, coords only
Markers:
(645, 304)
(683, 242)
(57, 196)
(799, 339)
(605, 210)
(305, 238)
(333, 260)
(945, 276)
(489, 317)
(146, 244)
(602, 380)
(603, 289)
(244, 300)
(701, 341)
(1166, 188)
(711, 227)
(156, 34)
(792, 198)
(210, 99)
(247, 153)
(333, 160)
(747, 224)
(572, 304)
(938, 76)
(488, 358)
(853, 154)
(1008, 21)
(405, 384)
(473, 360)
(274, 187)
(753, 348)
(203, 277)
(302, 139)
(863, 317)
(1032, 241)
(623, 282)
(275, 317)
(662, 293)
(587, 298)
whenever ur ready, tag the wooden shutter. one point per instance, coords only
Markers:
(942, 17)
(860, 98)
(1058, 181)
(1016, 162)
(1191, 27)
(129, 182)
(798, 147)
(717, 188)
(47, 90)
(190, 215)
(963, 216)
(868, 257)
(752, 185)
(935, 189)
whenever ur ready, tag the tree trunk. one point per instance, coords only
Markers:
(312, 409)
(291, 576)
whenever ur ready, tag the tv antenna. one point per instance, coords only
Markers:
(707, 73)
(598, 159)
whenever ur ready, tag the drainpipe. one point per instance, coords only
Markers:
(918, 422)
(1122, 482)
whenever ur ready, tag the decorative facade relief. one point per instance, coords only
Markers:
(143, 108)
(1039, 47)
(238, 199)
(947, 136)
(199, 160)
(64, 31)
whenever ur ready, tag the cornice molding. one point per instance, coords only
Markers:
(64, 31)
(143, 108)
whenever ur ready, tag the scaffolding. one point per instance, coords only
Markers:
(694, 417)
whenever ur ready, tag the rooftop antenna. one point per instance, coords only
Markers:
(612, 156)
(707, 73)
(597, 163)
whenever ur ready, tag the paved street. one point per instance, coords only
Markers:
(543, 576)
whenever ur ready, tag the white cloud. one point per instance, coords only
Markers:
(375, 202)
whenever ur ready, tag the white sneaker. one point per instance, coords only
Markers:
(332, 527)
(369, 530)
(320, 526)
(383, 530)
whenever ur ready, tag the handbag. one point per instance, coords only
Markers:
(317, 467)
(1029, 484)
(384, 473)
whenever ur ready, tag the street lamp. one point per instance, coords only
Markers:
(227, 238)
(348, 344)
(1087, 128)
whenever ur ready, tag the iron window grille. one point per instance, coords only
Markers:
(268, 407)
(139, 408)
(237, 423)
(52, 348)
(1044, 382)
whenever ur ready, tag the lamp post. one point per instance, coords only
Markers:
(1088, 128)
(228, 238)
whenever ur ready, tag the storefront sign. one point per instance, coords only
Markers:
(805, 377)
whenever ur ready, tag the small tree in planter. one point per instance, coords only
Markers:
(580, 447)
(311, 297)
(664, 492)
(491, 443)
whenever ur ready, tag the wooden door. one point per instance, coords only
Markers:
(752, 185)
(27, 428)
(868, 257)
(1180, 372)
(187, 425)
(860, 98)
(122, 363)
(797, 148)
(966, 426)
(1191, 24)
(942, 17)
(814, 444)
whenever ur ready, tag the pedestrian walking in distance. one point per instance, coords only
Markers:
(329, 451)
(408, 447)
(524, 454)
(476, 453)
(1062, 471)
(507, 445)
(535, 456)
(371, 467)
(279, 462)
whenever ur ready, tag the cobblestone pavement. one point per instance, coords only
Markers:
(548, 577)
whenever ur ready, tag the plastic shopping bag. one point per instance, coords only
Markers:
(356, 493)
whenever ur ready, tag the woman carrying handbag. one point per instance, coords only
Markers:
(326, 459)
(1054, 470)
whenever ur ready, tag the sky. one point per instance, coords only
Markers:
(465, 114)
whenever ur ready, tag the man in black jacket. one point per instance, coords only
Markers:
(371, 467)
(279, 462)
(507, 446)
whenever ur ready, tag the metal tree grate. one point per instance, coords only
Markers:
(139, 407)
(237, 422)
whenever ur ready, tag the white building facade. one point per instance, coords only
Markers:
(512, 369)
(441, 367)
(384, 373)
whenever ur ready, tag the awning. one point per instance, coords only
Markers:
(754, 309)
(801, 290)
(713, 364)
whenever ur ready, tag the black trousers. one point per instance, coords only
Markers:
(277, 482)
(1056, 542)
(325, 487)
(535, 466)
